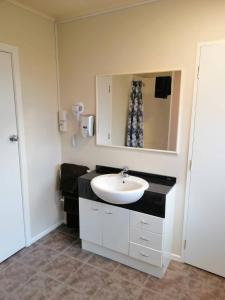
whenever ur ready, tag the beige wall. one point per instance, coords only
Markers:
(159, 36)
(121, 89)
(34, 37)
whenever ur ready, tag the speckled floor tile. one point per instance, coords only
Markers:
(62, 267)
(151, 295)
(75, 251)
(58, 241)
(66, 272)
(103, 294)
(170, 286)
(38, 257)
(26, 250)
(5, 264)
(87, 280)
(201, 295)
(103, 263)
(15, 276)
(122, 288)
(67, 293)
(3, 295)
(131, 275)
(39, 287)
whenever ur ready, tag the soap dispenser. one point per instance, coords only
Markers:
(87, 125)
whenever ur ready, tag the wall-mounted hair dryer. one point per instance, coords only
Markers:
(78, 109)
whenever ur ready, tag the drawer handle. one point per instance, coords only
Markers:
(108, 212)
(144, 238)
(143, 254)
(95, 209)
(144, 222)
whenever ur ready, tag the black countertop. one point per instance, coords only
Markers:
(153, 201)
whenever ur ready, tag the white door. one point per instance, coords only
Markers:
(205, 247)
(115, 228)
(90, 221)
(104, 110)
(12, 236)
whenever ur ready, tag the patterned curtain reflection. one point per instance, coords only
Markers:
(135, 117)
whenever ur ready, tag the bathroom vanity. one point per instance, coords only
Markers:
(138, 234)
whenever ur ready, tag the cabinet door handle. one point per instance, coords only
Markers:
(143, 254)
(144, 222)
(94, 208)
(144, 238)
(108, 212)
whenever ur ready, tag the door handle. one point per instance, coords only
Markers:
(94, 209)
(144, 238)
(13, 138)
(144, 222)
(108, 212)
(143, 254)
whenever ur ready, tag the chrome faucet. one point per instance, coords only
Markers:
(124, 172)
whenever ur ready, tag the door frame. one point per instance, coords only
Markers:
(21, 142)
(191, 142)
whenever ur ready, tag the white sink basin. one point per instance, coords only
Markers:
(114, 188)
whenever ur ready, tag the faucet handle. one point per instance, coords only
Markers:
(124, 172)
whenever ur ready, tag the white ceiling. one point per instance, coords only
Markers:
(62, 10)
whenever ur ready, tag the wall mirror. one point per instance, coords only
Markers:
(139, 111)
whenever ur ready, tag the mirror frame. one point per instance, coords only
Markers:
(135, 148)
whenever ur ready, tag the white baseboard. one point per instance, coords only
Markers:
(176, 257)
(44, 233)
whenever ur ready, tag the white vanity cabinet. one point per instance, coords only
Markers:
(104, 225)
(135, 239)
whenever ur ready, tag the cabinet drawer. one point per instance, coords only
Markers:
(147, 255)
(146, 222)
(146, 238)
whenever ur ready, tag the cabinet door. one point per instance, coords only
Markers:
(115, 228)
(90, 221)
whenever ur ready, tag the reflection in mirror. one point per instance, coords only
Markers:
(139, 110)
